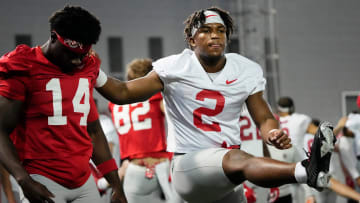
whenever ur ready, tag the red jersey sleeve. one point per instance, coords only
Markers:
(12, 88)
(13, 73)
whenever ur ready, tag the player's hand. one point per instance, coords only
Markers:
(35, 191)
(279, 139)
(118, 196)
(122, 169)
(310, 199)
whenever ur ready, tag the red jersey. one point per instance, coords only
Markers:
(52, 138)
(141, 128)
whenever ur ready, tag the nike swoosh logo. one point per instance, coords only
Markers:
(230, 81)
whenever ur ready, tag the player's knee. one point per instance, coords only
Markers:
(234, 163)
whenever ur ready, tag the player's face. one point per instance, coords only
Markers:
(210, 40)
(66, 59)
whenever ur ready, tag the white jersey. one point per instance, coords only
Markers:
(251, 141)
(202, 113)
(308, 140)
(295, 125)
(353, 124)
(111, 136)
(347, 155)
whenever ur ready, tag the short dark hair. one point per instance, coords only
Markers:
(197, 19)
(287, 102)
(316, 122)
(76, 23)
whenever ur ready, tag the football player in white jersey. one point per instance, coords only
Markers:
(204, 90)
(295, 125)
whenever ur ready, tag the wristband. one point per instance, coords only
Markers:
(107, 166)
(101, 79)
(272, 130)
(102, 184)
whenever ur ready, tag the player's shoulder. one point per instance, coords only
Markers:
(300, 118)
(93, 61)
(354, 116)
(18, 60)
(94, 58)
(242, 61)
(243, 65)
(300, 115)
(19, 51)
(171, 60)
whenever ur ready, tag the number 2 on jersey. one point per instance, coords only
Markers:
(199, 112)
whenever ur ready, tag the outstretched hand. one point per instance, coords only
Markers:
(35, 191)
(279, 139)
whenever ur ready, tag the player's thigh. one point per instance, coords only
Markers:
(199, 176)
(237, 195)
(87, 193)
(135, 181)
(162, 173)
(61, 193)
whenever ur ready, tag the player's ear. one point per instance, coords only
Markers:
(191, 42)
(53, 37)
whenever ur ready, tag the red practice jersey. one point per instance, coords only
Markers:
(141, 128)
(52, 138)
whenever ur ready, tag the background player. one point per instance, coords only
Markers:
(295, 125)
(46, 103)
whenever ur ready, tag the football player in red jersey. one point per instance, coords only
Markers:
(47, 107)
(141, 128)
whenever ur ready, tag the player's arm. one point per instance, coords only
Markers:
(140, 89)
(5, 182)
(10, 115)
(104, 161)
(265, 121)
(343, 190)
(340, 125)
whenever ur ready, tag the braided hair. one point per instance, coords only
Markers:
(197, 19)
(76, 23)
